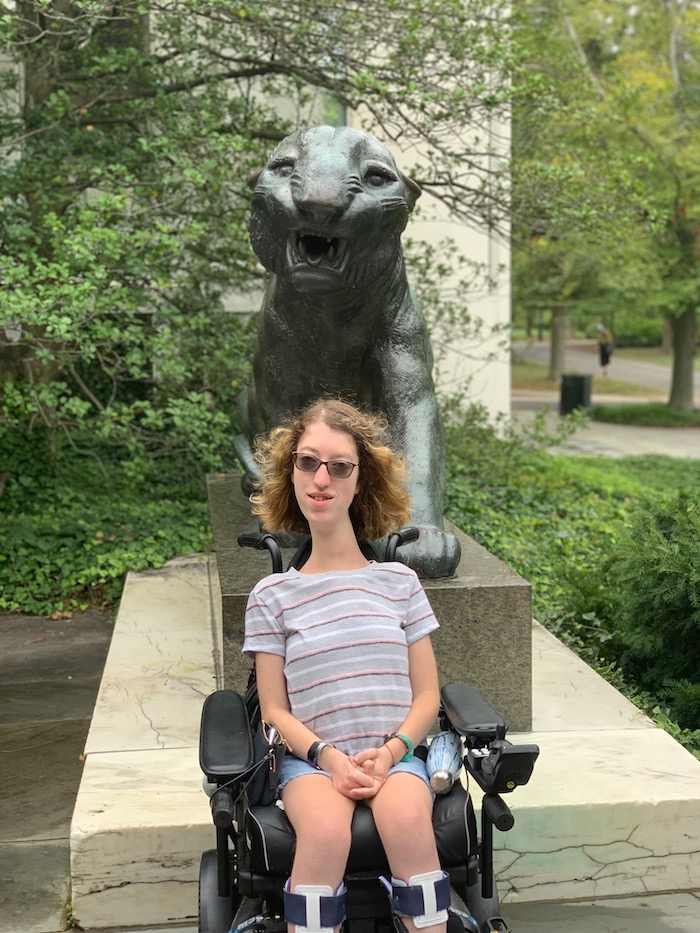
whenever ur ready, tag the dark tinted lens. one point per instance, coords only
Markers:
(340, 469)
(306, 463)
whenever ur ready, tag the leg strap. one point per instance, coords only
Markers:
(425, 898)
(314, 908)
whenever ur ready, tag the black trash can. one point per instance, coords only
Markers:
(575, 392)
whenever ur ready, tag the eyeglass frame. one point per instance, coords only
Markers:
(325, 463)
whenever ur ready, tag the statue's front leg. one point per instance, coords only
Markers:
(436, 553)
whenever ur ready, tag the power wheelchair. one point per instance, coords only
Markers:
(241, 881)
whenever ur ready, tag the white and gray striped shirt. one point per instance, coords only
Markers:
(344, 636)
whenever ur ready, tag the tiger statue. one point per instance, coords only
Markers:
(339, 317)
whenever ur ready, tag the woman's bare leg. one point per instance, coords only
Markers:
(321, 818)
(403, 811)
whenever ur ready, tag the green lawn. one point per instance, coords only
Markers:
(531, 376)
(649, 355)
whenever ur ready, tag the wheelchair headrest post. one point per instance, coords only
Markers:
(262, 541)
(397, 539)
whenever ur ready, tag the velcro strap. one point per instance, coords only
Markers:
(312, 910)
(416, 900)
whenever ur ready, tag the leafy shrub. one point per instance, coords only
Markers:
(70, 532)
(642, 333)
(656, 575)
(171, 394)
(559, 521)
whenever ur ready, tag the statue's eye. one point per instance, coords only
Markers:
(282, 167)
(377, 177)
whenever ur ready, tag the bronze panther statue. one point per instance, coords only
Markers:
(339, 317)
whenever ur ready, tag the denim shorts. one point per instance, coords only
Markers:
(293, 767)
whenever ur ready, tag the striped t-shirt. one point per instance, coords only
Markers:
(344, 636)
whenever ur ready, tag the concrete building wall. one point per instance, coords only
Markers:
(471, 363)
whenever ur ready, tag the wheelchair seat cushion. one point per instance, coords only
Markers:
(272, 839)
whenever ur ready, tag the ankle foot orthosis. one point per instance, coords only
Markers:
(314, 908)
(425, 898)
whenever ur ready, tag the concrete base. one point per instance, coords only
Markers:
(484, 611)
(141, 819)
(612, 809)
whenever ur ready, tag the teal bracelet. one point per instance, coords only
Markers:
(410, 747)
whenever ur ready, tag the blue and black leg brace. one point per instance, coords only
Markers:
(314, 908)
(425, 898)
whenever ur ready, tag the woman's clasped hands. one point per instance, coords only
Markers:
(360, 776)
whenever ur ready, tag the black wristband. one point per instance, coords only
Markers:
(315, 750)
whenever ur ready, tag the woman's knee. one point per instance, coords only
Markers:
(322, 819)
(329, 832)
(406, 813)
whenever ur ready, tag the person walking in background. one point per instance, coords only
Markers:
(605, 346)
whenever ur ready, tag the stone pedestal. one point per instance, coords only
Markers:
(484, 611)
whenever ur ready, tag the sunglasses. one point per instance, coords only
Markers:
(307, 463)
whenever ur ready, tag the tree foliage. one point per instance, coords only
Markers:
(626, 79)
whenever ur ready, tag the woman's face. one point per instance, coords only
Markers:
(323, 499)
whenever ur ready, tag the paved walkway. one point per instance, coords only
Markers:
(598, 438)
(581, 357)
(50, 672)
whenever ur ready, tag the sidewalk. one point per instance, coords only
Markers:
(581, 357)
(599, 438)
(50, 673)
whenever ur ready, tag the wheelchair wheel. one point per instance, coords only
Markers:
(215, 913)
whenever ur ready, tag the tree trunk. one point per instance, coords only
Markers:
(684, 328)
(14, 360)
(557, 347)
(667, 337)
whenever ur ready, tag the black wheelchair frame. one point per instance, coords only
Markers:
(241, 880)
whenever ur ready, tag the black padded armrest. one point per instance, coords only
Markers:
(225, 743)
(471, 714)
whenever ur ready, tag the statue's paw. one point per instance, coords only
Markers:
(435, 554)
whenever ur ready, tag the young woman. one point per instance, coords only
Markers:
(345, 666)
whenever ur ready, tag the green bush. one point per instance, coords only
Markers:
(655, 573)
(559, 522)
(640, 333)
(71, 531)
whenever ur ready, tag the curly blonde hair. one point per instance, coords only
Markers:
(382, 503)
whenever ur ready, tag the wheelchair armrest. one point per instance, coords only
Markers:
(225, 742)
(496, 764)
(470, 714)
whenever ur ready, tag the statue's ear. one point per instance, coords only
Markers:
(253, 178)
(413, 188)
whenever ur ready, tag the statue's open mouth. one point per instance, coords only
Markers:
(314, 248)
